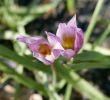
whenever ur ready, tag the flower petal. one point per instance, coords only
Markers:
(29, 40)
(52, 38)
(56, 53)
(21, 38)
(32, 42)
(68, 53)
(61, 30)
(56, 44)
(79, 39)
(72, 22)
(64, 30)
(54, 41)
(47, 61)
(34, 46)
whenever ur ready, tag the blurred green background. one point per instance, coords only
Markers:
(33, 17)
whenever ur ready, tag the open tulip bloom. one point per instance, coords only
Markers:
(70, 37)
(67, 42)
(42, 49)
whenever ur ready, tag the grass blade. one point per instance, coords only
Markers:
(27, 63)
(22, 78)
(93, 20)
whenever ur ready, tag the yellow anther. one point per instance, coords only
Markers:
(68, 42)
(44, 49)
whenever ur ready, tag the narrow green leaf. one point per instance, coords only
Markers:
(93, 20)
(103, 36)
(5, 52)
(79, 83)
(68, 92)
(90, 56)
(90, 60)
(17, 91)
(22, 78)
(89, 65)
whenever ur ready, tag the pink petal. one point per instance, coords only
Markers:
(47, 61)
(22, 38)
(56, 44)
(69, 53)
(29, 40)
(34, 46)
(32, 42)
(56, 53)
(54, 41)
(61, 30)
(79, 39)
(72, 22)
(64, 30)
(52, 38)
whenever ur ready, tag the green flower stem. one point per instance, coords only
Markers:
(53, 95)
(103, 36)
(93, 20)
(52, 87)
(71, 6)
(68, 92)
(42, 78)
(53, 76)
(61, 84)
(17, 92)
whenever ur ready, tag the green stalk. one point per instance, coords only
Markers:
(52, 87)
(60, 85)
(53, 75)
(93, 20)
(42, 78)
(71, 6)
(17, 92)
(68, 92)
(103, 36)
(53, 95)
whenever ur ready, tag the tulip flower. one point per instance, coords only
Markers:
(70, 37)
(43, 50)
(67, 42)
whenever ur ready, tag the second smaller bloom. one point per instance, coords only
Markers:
(43, 50)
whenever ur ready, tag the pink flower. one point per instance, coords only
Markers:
(70, 37)
(43, 50)
(67, 42)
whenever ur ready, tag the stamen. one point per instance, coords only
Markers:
(44, 49)
(68, 42)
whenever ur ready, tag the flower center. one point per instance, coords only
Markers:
(68, 42)
(44, 49)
